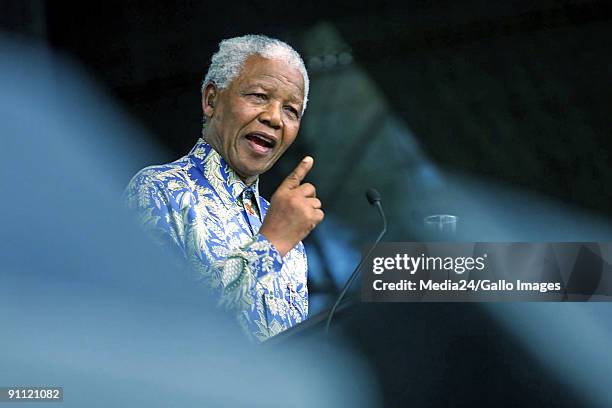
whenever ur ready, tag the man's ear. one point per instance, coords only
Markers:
(209, 99)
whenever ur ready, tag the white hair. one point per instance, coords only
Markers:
(226, 63)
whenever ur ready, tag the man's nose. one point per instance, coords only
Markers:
(272, 116)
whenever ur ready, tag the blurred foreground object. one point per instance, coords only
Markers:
(88, 302)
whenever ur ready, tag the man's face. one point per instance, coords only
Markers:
(257, 117)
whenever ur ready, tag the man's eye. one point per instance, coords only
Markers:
(292, 111)
(259, 96)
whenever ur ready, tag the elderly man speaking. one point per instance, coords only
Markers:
(207, 203)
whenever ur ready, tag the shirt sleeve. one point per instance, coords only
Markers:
(245, 276)
(152, 204)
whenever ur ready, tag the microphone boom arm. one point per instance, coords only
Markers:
(347, 285)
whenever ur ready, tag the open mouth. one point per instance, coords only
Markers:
(261, 140)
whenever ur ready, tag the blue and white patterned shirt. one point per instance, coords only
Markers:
(203, 207)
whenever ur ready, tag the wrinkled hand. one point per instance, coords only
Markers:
(294, 210)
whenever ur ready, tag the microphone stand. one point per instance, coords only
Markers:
(374, 199)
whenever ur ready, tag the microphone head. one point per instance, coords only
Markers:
(373, 196)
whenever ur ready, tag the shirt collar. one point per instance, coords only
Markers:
(219, 174)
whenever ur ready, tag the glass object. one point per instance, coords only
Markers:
(440, 226)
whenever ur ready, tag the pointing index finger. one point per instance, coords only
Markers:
(294, 179)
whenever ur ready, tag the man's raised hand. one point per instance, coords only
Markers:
(294, 210)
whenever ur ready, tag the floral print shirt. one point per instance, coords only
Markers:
(199, 204)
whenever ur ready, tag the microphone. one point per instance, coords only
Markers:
(373, 196)
(374, 199)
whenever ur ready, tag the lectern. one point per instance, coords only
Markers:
(439, 354)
